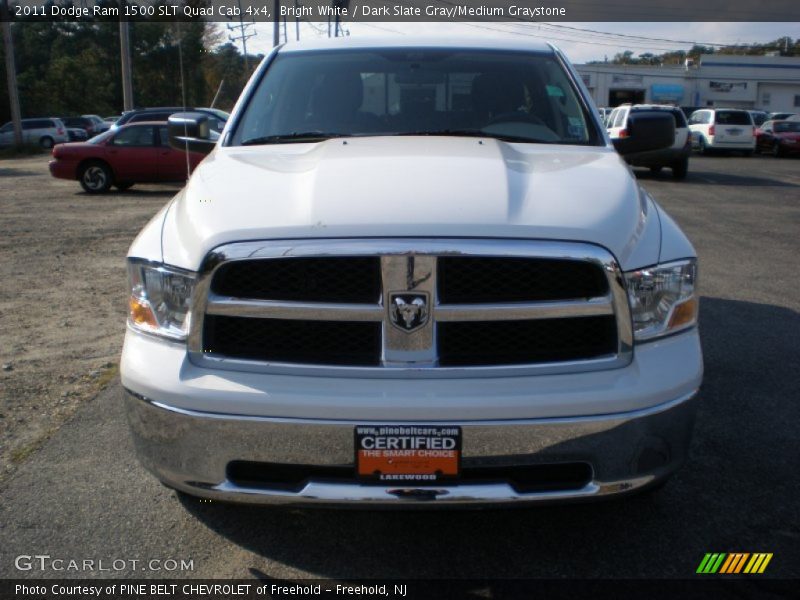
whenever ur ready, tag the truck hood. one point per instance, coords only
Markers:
(412, 186)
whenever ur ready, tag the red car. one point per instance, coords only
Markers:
(778, 137)
(136, 153)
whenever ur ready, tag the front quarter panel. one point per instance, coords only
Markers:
(147, 244)
(674, 243)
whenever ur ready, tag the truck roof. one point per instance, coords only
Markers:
(471, 42)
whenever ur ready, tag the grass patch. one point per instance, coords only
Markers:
(22, 151)
(20, 454)
(107, 376)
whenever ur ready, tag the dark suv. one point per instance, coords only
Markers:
(161, 113)
(81, 123)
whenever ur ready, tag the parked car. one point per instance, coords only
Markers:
(84, 123)
(782, 116)
(217, 118)
(415, 271)
(779, 137)
(759, 117)
(44, 132)
(100, 124)
(675, 157)
(136, 153)
(726, 129)
(77, 134)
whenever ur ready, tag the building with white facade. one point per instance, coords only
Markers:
(769, 83)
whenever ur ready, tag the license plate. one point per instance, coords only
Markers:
(734, 131)
(407, 453)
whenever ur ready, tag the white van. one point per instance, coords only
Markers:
(722, 129)
(44, 132)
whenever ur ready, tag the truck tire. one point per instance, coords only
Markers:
(680, 169)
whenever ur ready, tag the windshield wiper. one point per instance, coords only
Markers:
(503, 137)
(294, 137)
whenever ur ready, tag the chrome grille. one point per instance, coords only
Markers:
(405, 307)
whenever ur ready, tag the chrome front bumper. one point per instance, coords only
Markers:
(191, 451)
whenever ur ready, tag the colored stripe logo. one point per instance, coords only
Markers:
(734, 563)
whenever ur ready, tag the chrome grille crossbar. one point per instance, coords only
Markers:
(305, 311)
(525, 311)
(322, 311)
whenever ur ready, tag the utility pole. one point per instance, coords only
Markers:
(276, 31)
(125, 53)
(296, 22)
(11, 74)
(244, 35)
(339, 5)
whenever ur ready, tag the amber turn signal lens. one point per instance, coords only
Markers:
(684, 314)
(141, 313)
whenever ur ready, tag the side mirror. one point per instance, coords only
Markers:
(647, 131)
(191, 132)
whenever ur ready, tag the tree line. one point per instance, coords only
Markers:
(783, 46)
(74, 68)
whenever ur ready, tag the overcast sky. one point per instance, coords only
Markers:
(579, 46)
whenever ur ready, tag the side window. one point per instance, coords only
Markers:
(135, 137)
(163, 136)
(7, 127)
(708, 118)
(28, 125)
(619, 120)
(149, 117)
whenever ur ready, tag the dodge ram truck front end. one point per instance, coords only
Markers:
(377, 308)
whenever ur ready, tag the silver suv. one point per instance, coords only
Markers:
(44, 132)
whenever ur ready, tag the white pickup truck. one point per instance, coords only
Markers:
(407, 272)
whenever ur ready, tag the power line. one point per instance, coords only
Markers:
(627, 44)
(551, 37)
(640, 37)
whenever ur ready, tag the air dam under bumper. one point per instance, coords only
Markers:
(191, 451)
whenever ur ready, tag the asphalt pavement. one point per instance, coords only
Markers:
(83, 495)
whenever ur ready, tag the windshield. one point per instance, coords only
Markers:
(308, 96)
(102, 137)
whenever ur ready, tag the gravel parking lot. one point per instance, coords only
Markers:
(73, 488)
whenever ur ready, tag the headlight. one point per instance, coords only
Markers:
(663, 298)
(160, 300)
